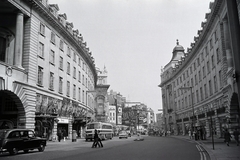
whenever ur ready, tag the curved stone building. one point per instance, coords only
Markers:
(46, 70)
(199, 87)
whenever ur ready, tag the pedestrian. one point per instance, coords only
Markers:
(79, 133)
(201, 133)
(95, 142)
(195, 134)
(190, 134)
(227, 137)
(204, 133)
(99, 140)
(59, 134)
(236, 136)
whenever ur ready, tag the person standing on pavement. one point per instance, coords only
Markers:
(59, 134)
(195, 134)
(236, 136)
(190, 134)
(95, 142)
(227, 137)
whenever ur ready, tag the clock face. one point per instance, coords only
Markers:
(9, 71)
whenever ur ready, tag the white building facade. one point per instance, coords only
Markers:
(46, 70)
(199, 89)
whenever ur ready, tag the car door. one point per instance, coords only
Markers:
(26, 139)
(14, 140)
(34, 142)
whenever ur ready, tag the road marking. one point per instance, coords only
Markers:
(202, 152)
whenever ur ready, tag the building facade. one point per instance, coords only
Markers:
(117, 100)
(199, 86)
(112, 114)
(159, 122)
(46, 70)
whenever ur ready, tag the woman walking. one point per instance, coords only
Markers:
(99, 140)
(227, 137)
(236, 136)
(95, 142)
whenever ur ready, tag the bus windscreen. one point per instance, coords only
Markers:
(93, 126)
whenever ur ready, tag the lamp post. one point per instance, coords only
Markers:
(183, 88)
(212, 132)
(138, 119)
(116, 105)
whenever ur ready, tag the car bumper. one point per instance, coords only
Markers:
(2, 150)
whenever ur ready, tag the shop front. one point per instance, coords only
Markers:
(79, 125)
(63, 126)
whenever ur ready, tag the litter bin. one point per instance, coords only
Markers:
(74, 136)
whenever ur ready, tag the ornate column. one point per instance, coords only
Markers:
(19, 40)
(227, 44)
(54, 131)
(183, 128)
(208, 129)
(218, 127)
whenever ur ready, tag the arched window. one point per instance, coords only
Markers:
(2, 49)
(6, 45)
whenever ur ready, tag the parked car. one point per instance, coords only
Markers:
(123, 134)
(13, 140)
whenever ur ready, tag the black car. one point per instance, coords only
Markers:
(13, 140)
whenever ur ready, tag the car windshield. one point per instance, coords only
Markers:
(93, 126)
(2, 133)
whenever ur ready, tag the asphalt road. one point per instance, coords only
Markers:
(152, 148)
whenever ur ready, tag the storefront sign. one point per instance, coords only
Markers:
(61, 120)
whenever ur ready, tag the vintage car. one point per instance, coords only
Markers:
(123, 134)
(13, 140)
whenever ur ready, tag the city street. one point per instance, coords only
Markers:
(152, 148)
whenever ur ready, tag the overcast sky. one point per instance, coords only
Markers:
(134, 38)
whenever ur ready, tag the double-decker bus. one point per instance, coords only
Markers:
(105, 130)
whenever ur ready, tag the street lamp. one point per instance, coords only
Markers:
(138, 119)
(183, 88)
(116, 105)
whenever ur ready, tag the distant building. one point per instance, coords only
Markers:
(112, 114)
(117, 100)
(159, 121)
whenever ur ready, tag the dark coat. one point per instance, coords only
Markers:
(227, 136)
(95, 135)
(236, 134)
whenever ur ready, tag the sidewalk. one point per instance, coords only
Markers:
(65, 141)
(221, 151)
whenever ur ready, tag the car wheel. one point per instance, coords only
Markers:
(41, 148)
(13, 151)
(26, 151)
